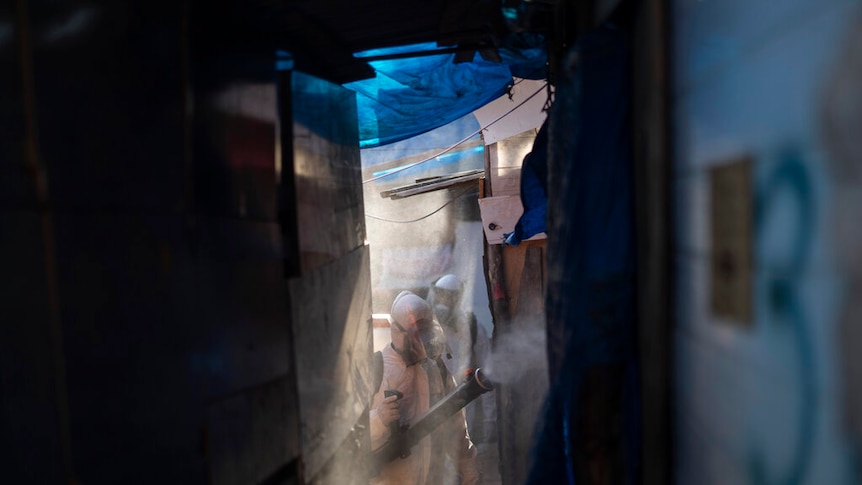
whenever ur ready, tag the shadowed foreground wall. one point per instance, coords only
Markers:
(153, 326)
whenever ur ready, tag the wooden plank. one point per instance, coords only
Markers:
(499, 216)
(513, 267)
(490, 154)
(518, 408)
(531, 286)
(513, 264)
(493, 263)
(465, 182)
(432, 183)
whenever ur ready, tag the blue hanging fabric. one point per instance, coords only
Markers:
(534, 192)
(591, 421)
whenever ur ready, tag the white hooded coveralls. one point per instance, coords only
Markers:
(425, 464)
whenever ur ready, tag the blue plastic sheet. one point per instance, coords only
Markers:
(591, 422)
(461, 157)
(413, 95)
(534, 192)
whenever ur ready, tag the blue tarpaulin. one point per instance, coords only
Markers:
(591, 422)
(534, 192)
(466, 154)
(410, 96)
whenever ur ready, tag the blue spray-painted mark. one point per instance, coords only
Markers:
(784, 304)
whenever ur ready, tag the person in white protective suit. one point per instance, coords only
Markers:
(412, 366)
(467, 347)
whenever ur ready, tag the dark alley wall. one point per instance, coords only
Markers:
(150, 307)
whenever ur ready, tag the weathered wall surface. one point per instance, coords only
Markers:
(146, 330)
(764, 346)
(516, 285)
(330, 291)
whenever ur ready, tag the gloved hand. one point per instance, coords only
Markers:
(389, 410)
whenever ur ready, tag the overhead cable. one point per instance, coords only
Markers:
(453, 199)
(452, 147)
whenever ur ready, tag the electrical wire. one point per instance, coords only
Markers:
(453, 199)
(452, 147)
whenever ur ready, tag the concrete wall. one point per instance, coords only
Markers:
(762, 387)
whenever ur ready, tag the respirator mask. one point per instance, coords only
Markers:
(420, 340)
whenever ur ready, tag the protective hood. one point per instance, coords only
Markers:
(416, 335)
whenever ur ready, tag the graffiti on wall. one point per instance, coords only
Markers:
(787, 190)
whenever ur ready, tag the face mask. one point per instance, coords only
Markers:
(419, 341)
(443, 312)
(432, 337)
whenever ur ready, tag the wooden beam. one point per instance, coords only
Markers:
(431, 184)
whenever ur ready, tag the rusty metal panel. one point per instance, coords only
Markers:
(331, 311)
(323, 220)
(321, 176)
(506, 161)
